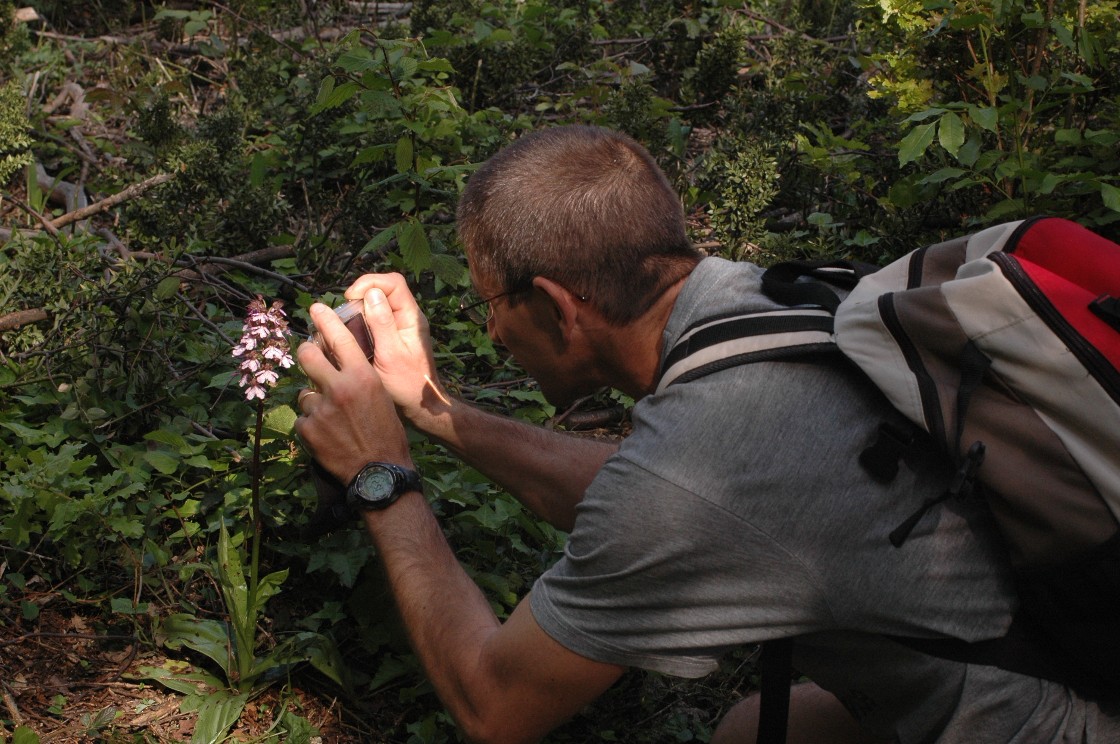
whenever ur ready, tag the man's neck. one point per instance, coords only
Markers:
(631, 354)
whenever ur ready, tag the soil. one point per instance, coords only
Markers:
(69, 681)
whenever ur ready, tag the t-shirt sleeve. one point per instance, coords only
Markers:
(642, 582)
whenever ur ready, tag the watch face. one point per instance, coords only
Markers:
(379, 484)
(375, 484)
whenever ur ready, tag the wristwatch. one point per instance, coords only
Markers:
(379, 484)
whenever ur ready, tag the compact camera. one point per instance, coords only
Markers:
(351, 316)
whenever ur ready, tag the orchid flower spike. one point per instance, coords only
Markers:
(263, 347)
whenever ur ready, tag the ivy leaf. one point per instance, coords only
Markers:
(914, 144)
(950, 133)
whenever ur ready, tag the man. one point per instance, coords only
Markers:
(736, 511)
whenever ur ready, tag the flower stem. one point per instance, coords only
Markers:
(255, 501)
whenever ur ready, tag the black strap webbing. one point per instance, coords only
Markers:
(775, 668)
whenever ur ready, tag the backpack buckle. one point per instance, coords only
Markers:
(1107, 309)
(891, 445)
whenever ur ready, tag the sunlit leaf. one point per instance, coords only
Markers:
(914, 144)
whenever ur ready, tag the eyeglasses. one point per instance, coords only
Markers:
(472, 308)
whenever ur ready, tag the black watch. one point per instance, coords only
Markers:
(379, 484)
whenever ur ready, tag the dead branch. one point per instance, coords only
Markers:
(214, 265)
(111, 201)
(64, 192)
(51, 229)
(19, 318)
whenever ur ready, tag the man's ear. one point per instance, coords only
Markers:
(567, 306)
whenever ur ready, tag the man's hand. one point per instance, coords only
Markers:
(348, 418)
(402, 345)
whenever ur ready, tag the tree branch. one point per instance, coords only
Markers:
(111, 201)
(19, 318)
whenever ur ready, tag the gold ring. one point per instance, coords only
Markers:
(303, 394)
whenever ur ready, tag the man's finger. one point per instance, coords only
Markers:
(303, 399)
(340, 342)
(380, 321)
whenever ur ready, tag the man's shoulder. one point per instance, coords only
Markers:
(717, 287)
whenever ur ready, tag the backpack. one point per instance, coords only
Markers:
(1003, 349)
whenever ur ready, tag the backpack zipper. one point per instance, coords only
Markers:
(1099, 367)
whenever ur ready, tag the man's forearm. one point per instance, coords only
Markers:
(430, 586)
(547, 471)
(501, 682)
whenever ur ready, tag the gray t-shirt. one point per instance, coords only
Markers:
(737, 512)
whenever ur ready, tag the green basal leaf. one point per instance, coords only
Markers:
(943, 174)
(381, 239)
(268, 587)
(172, 439)
(208, 637)
(183, 678)
(163, 461)
(24, 735)
(216, 714)
(167, 288)
(235, 590)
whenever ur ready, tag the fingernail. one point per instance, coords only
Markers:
(374, 297)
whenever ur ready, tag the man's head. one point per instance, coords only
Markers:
(584, 207)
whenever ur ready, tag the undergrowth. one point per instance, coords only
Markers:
(288, 160)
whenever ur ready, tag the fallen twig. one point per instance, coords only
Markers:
(11, 321)
(111, 201)
(10, 704)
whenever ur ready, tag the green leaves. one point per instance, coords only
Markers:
(415, 248)
(1110, 195)
(949, 129)
(914, 144)
(15, 152)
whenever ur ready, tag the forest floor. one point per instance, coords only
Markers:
(68, 682)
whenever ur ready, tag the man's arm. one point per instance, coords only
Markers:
(501, 682)
(506, 682)
(547, 471)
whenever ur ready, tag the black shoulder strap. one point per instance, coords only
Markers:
(719, 343)
(781, 282)
(775, 669)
